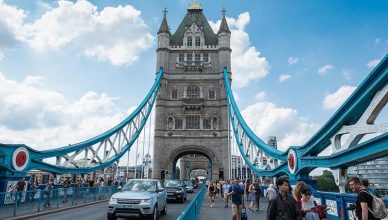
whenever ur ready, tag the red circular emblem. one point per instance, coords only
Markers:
(21, 158)
(291, 161)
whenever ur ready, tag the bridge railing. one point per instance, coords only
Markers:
(192, 211)
(28, 202)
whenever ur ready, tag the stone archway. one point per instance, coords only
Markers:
(187, 150)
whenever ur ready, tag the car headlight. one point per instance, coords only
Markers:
(179, 191)
(113, 200)
(145, 201)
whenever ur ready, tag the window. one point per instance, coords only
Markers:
(181, 57)
(189, 57)
(205, 57)
(170, 123)
(174, 93)
(178, 123)
(192, 122)
(197, 57)
(212, 94)
(193, 91)
(189, 41)
(207, 124)
(197, 41)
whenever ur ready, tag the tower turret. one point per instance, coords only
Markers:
(224, 43)
(164, 36)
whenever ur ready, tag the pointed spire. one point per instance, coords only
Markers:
(164, 26)
(224, 28)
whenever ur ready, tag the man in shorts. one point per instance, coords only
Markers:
(236, 192)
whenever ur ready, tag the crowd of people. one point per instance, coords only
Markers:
(284, 202)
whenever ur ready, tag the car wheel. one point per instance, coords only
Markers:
(155, 213)
(164, 211)
(183, 200)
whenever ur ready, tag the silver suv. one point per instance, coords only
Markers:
(144, 197)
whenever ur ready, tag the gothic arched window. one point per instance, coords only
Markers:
(193, 91)
(197, 41)
(189, 41)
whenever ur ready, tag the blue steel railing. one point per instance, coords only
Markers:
(28, 202)
(192, 211)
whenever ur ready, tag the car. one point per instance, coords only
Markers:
(189, 186)
(144, 197)
(176, 190)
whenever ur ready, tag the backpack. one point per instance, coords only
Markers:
(378, 208)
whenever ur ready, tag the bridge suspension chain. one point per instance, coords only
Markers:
(94, 154)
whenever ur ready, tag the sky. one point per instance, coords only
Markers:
(70, 70)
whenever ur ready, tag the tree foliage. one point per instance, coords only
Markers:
(326, 182)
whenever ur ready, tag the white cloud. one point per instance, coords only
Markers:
(324, 69)
(11, 23)
(81, 27)
(247, 63)
(377, 41)
(1, 55)
(335, 100)
(292, 60)
(284, 77)
(267, 119)
(373, 63)
(260, 96)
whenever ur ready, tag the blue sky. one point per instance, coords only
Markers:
(70, 70)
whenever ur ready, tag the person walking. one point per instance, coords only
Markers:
(236, 191)
(258, 195)
(283, 206)
(251, 197)
(48, 192)
(271, 192)
(211, 190)
(364, 200)
(66, 185)
(225, 188)
(20, 185)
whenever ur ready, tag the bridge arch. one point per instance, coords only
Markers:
(176, 154)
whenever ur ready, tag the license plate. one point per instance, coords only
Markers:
(170, 194)
(127, 206)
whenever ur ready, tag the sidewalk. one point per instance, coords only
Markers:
(218, 212)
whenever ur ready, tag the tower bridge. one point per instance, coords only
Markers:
(196, 114)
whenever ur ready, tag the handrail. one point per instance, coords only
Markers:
(192, 211)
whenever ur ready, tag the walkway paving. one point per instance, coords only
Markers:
(218, 212)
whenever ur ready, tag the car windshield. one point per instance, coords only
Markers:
(188, 183)
(173, 183)
(140, 186)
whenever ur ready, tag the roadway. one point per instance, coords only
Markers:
(98, 212)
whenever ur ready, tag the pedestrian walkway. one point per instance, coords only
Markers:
(218, 212)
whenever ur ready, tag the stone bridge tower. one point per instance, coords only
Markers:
(191, 107)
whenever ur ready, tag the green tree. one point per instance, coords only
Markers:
(326, 182)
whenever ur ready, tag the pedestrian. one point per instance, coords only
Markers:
(258, 195)
(284, 206)
(225, 188)
(297, 194)
(251, 197)
(308, 203)
(48, 192)
(236, 192)
(20, 186)
(271, 192)
(33, 188)
(365, 183)
(211, 190)
(364, 200)
(66, 185)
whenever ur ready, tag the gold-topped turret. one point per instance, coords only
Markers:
(195, 6)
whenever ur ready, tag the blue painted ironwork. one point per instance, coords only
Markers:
(99, 152)
(302, 159)
(192, 211)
